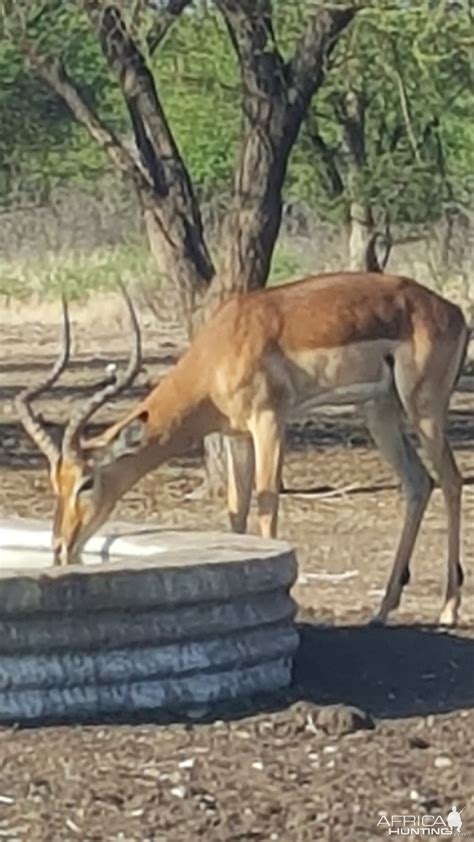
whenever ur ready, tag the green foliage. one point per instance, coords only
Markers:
(26, 131)
(411, 61)
(40, 144)
(286, 264)
(199, 86)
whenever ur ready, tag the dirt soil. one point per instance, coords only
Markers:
(291, 767)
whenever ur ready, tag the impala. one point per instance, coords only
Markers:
(380, 341)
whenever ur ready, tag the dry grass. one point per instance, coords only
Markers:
(82, 245)
(76, 273)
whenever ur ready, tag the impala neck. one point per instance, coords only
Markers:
(179, 416)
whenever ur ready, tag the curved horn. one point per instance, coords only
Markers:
(85, 411)
(31, 423)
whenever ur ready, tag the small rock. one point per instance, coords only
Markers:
(188, 763)
(178, 791)
(343, 719)
(73, 826)
(414, 795)
(329, 749)
(244, 735)
(310, 724)
(442, 762)
(208, 799)
(257, 764)
(418, 742)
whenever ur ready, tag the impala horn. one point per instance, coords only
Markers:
(71, 441)
(30, 421)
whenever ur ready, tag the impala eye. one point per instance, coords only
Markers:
(86, 485)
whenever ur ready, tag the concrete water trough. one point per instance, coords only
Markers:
(151, 621)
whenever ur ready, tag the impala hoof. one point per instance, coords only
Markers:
(448, 620)
(378, 621)
(449, 615)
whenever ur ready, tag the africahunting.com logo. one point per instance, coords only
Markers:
(424, 826)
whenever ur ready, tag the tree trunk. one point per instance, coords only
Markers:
(215, 461)
(180, 285)
(275, 99)
(361, 231)
(368, 249)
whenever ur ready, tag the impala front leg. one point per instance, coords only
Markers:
(267, 437)
(240, 473)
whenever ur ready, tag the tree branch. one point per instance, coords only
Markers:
(153, 136)
(406, 114)
(164, 20)
(54, 74)
(310, 60)
(250, 28)
(350, 111)
(156, 145)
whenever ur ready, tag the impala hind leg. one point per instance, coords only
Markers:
(268, 442)
(240, 472)
(385, 423)
(438, 452)
(427, 403)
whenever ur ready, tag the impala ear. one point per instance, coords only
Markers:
(130, 437)
(127, 440)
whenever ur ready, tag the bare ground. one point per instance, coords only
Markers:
(271, 770)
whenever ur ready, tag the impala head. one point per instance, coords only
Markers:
(82, 472)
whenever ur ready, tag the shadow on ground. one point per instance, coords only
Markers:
(390, 672)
